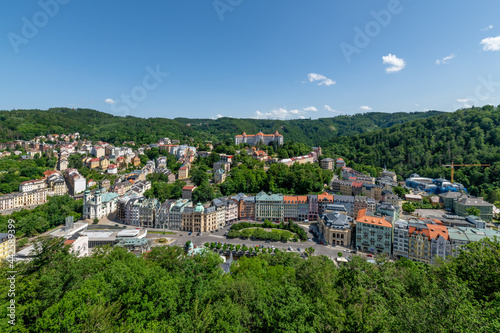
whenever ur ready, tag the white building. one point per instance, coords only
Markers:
(76, 182)
(32, 185)
(401, 239)
(99, 204)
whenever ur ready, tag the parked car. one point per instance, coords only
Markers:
(290, 248)
(190, 234)
(298, 249)
(346, 251)
(369, 255)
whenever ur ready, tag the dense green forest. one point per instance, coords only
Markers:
(95, 125)
(14, 171)
(250, 177)
(116, 291)
(467, 136)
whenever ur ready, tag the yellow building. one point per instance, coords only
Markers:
(103, 163)
(183, 172)
(136, 161)
(199, 219)
(94, 163)
(6, 244)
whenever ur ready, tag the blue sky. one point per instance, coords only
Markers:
(281, 59)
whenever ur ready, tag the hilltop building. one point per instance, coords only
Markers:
(254, 139)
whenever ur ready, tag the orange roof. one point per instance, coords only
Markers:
(357, 184)
(325, 197)
(424, 232)
(290, 199)
(373, 220)
(48, 173)
(438, 230)
(188, 187)
(69, 241)
(302, 198)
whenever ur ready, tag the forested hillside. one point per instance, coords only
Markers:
(311, 132)
(95, 125)
(467, 136)
(116, 291)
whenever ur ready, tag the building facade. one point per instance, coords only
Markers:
(199, 219)
(373, 234)
(259, 137)
(99, 205)
(335, 228)
(269, 207)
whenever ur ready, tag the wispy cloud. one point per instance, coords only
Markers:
(329, 108)
(282, 113)
(465, 102)
(109, 101)
(365, 108)
(487, 28)
(491, 43)
(395, 64)
(320, 79)
(310, 109)
(444, 60)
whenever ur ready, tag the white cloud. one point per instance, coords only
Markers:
(282, 113)
(491, 43)
(310, 109)
(464, 100)
(322, 80)
(487, 28)
(217, 116)
(329, 108)
(109, 101)
(396, 64)
(444, 61)
(365, 108)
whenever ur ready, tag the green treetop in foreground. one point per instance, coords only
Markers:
(115, 291)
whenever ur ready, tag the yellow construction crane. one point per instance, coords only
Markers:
(461, 165)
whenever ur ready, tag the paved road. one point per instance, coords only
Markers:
(182, 237)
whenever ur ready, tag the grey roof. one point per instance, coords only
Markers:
(337, 220)
(451, 195)
(343, 198)
(474, 202)
(239, 196)
(386, 206)
(3, 236)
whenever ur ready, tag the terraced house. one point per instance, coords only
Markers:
(373, 234)
(269, 207)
